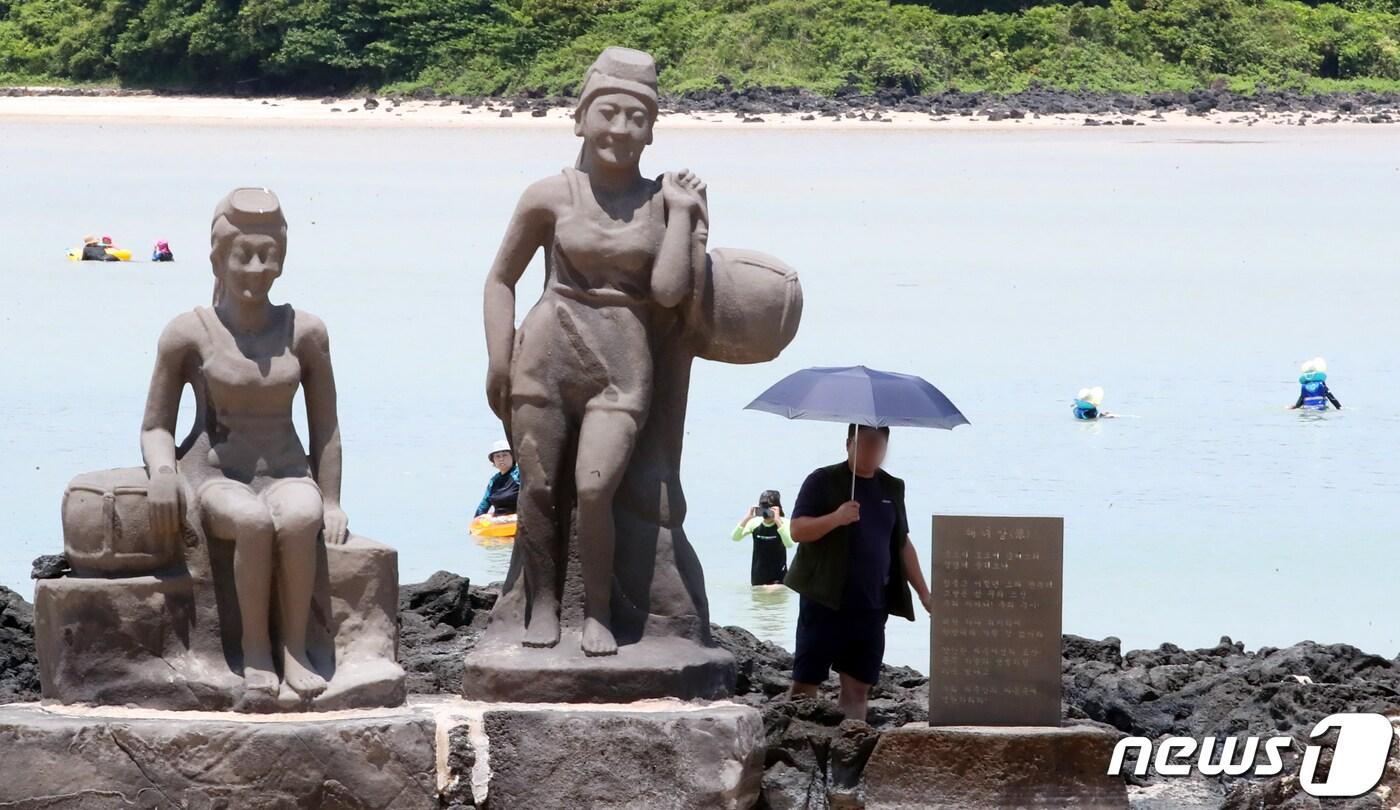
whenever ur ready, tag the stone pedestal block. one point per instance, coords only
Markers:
(156, 641)
(431, 753)
(664, 756)
(919, 767)
(63, 758)
(500, 669)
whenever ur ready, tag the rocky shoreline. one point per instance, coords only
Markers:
(815, 758)
(751, 104)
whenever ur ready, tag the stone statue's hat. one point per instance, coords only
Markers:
(250, 208)
(621, 70)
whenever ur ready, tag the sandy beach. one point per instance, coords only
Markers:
(383, 112)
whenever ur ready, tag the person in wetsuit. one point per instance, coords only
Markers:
(503, 490)
(93, 251)
(771, 539)
(1313, 395)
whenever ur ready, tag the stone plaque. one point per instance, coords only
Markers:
(995, 650)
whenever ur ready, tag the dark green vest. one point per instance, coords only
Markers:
(818, 570)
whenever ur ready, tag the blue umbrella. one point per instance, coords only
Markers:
(861, 395)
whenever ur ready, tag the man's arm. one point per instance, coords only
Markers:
(1333, 399)
(807, 529)
(914, 573)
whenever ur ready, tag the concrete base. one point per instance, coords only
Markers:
(430, 753)
(73, 759)
(993, 768)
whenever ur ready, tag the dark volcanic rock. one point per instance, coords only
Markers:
(1078, 648)
(461, 759)
(19, 666)
(49, 566)
(439, 620)
(764, 668)
(1224, 690)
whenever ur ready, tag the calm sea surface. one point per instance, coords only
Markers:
(1189, 276)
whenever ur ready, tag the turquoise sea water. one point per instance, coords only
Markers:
(1187, 276)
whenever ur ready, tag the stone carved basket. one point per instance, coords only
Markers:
(107, 526)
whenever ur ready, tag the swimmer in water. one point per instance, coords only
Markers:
(1088, 405)
(1314, 393)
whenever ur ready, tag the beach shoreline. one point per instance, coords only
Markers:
(52, 105)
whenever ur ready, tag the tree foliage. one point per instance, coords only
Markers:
(486, 47)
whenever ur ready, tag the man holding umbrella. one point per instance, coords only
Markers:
(853, 569)
(854, 563)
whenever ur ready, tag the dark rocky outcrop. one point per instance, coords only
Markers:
(49, 566)
(750, 102)
(1224, 690)
(439, 620)
(19, 666)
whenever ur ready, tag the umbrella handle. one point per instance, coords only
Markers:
(855, 441)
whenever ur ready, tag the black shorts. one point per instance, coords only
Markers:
(850, 641)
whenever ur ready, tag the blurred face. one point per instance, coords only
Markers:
(869, 448)
(616, 128)
(248, 265)
(503, 460)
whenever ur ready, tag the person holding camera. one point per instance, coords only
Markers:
(771, 539)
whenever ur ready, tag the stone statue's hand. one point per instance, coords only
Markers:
(498, 391)
(683, 191)
(335, 524)
(163, 499)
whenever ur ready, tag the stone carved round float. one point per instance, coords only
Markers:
(107, 526)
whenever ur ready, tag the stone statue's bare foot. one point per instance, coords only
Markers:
(259, 675)
(597, 639)
(300, 676)
(544, 628)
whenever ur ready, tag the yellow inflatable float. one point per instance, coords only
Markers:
(76, 254)
(493, 526)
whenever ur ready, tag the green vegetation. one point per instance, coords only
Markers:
(489, 47)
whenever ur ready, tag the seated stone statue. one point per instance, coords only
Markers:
(260, 514)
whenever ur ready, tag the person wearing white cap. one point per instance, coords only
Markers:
(1088, 404)
(1314, 393)
(503, 490)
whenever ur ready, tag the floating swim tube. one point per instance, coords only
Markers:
(76, 254)
(494, 526)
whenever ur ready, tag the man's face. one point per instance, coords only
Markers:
(503, 460)
(870, 446)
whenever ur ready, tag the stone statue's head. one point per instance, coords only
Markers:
(617, 107)
(247, 243)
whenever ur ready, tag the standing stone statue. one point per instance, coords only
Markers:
(266, 545)
(592, 390)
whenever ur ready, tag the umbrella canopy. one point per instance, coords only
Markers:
(861, 395)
